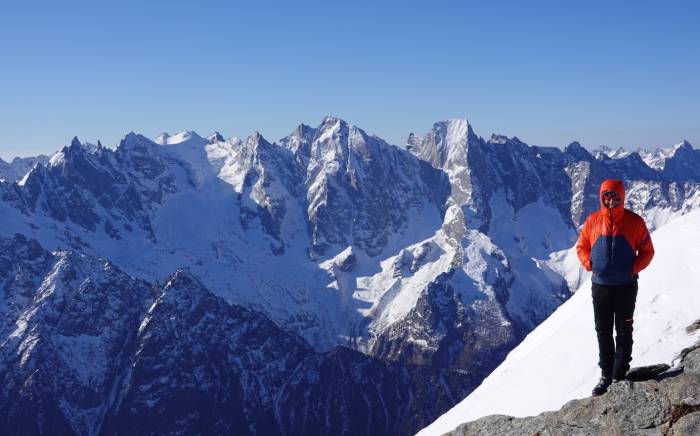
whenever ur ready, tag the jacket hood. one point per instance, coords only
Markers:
(616, 186)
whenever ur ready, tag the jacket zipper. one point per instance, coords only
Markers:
(610, 239)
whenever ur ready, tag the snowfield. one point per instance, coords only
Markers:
(557, 362)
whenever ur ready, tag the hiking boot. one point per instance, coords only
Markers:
(619, 376)
(602, 386)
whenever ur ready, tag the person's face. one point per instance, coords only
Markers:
(611, 199)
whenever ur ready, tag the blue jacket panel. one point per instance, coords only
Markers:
(611, 261)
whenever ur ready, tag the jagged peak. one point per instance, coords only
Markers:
(446, 143)
(683, 145)
(454, 127)
(575, 146)
(576, 150)
(331, 120)
(255, 140)
(299, 139)
(329, 125)
(132, 136)
(301, 128)
(497, 139)
(257, 136)
(59, 158)
(215, 137)
(609, 152)
(332, 125)
(132, 139)
(454, 132)
(336, 132)
(76, 146)
(303, 131)
(413, 141)
(668, 151)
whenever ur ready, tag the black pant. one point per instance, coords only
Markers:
(614, 305)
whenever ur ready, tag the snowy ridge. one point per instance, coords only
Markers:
(310, 197)
(299, 204)
(655, 159)
(557, 362)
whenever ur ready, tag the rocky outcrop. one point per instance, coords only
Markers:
(666, 405)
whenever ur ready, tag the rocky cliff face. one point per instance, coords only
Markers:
(666, 405)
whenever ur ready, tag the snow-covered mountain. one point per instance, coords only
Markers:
(655, 159)
(274, 213)
(443, 255)
(605, 152)
(86, 349)
(19, 167)
(557, 362)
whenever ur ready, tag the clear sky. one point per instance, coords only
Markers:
(550, 72)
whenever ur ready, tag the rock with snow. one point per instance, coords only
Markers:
(669, 405)
(67, 336)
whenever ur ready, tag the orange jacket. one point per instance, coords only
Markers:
(614, 243)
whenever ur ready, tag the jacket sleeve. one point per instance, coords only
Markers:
(644, 248)
(583, 246)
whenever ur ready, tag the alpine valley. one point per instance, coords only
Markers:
(328, 283)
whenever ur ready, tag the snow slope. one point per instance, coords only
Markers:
(557, 362)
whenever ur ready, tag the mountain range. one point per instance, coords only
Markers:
(374, 279)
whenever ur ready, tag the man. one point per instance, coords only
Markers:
(615, 245)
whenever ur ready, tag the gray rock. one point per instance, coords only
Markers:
(669, 405)
(687, 425)
(692, 361)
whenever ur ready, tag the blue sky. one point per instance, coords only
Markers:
(608, 72)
